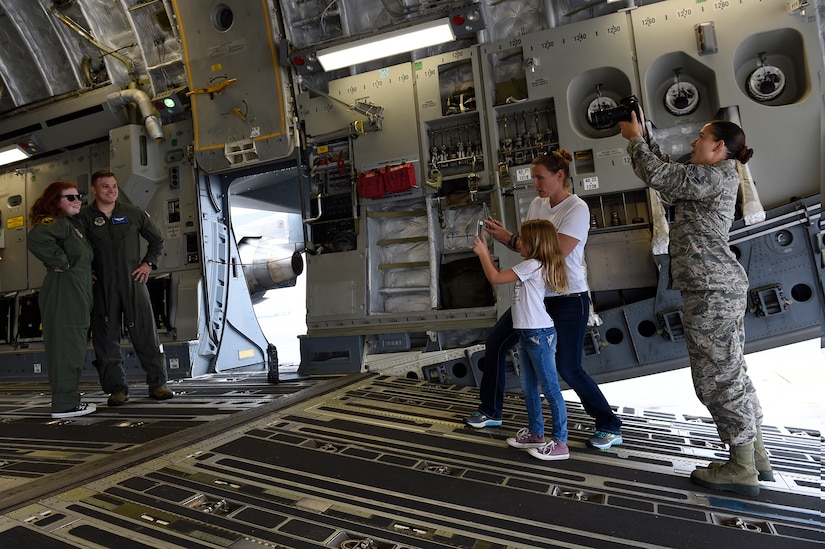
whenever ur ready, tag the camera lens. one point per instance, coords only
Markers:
(598, 112)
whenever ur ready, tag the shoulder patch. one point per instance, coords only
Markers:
(47, 220)
(99, 221)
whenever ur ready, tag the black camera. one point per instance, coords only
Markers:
(607, 118)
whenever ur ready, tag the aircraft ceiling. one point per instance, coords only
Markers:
(53, 50)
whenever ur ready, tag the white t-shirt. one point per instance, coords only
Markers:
(570, 217)
(528, 308)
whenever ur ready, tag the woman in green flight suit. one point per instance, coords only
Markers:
(65, 300)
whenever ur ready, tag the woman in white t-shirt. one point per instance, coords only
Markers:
(570, 216)
(542, 268)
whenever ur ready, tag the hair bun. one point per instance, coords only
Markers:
(564, 153)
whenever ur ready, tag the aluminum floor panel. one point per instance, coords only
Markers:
(379, 462)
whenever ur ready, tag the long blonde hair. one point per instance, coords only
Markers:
(539, 240)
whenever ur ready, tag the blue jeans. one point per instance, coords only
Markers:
(537, 349)
(569, 314)
(501, 338)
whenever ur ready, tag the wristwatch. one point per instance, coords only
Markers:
(152, 265)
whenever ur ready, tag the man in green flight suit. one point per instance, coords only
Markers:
(114, 229)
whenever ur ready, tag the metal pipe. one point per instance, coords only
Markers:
(86, 70)
(147, 111)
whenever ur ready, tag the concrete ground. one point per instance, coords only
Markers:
(789, 381)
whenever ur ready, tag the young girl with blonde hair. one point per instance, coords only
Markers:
(543, 267)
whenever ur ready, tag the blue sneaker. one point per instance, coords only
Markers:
(603, 440)
(479, 420)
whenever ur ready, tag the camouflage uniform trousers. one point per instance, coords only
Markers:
(715, 335)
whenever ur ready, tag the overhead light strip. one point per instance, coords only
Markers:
(12, 153)
(386, 45)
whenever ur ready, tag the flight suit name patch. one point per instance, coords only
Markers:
(119, 220)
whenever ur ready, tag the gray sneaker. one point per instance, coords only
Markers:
(81, 409)
(479, 420)
(603, 440)
(525, 439)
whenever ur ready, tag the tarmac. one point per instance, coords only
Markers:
(789, 381)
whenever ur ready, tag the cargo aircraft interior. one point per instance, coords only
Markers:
(367, 166)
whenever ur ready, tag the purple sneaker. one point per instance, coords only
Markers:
(525, 439)
(553, 450)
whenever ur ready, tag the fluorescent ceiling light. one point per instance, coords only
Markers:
(386, 45)
(12, 153)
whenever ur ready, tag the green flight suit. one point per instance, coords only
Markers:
(65, 302)
(116, 241)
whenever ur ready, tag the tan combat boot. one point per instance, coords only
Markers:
(737, 475)
(760, 458)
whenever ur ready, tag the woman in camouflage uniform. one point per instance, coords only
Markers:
(65, 299)
(714, 289)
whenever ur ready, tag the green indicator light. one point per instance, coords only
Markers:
(169, 103)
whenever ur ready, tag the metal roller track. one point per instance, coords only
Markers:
(383, 462)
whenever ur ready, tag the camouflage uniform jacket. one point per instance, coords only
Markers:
(705, 201)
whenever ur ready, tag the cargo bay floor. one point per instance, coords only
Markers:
(372, 461)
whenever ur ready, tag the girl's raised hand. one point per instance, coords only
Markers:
(480, 245)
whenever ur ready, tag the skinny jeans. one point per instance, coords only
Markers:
(537, 349)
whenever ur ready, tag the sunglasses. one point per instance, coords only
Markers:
(72, 197)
